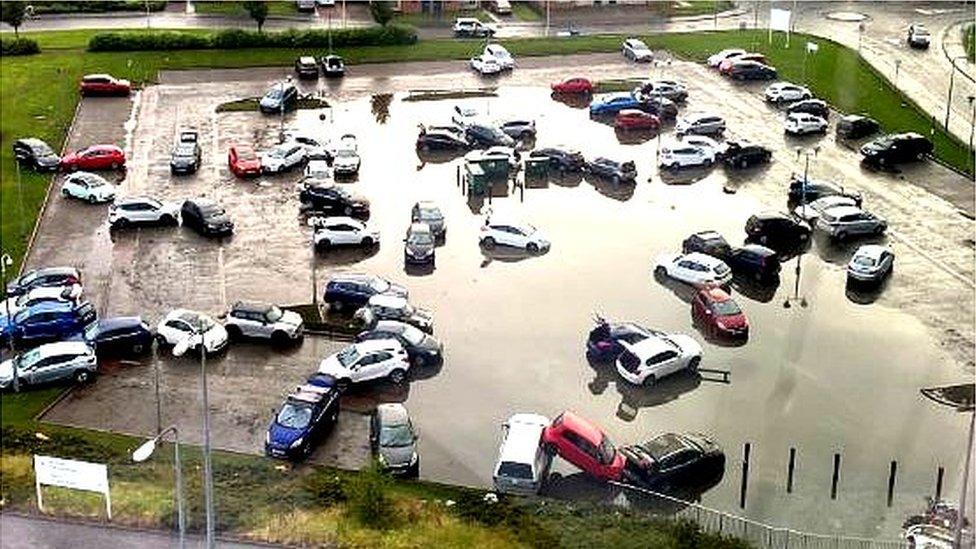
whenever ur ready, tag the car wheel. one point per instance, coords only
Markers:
(82, 377)
(347, 210)
(234, 332)
(841, 235)
(397, 376)
(488, 242)
(660, 272)
(166, 219)
(420, 360)
(532, 248)
(92, 199)
(115, 165)
(368, 242)
(693, 364)
(120, 223)
(425, 147)
(323, 244)
(879, 230)
(650, 380)
(279, 339)
(336, 306)
(343, 383)
(743, 163)
(161, 340)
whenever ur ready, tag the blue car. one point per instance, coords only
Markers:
(121, 336)
(48, 321)
(604, 341)
(352, 291)
(307, 413)
(612, 104)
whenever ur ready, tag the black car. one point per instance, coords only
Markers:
(186, 153)
(755, 261)
(123, 336)
(331, 199)
(332, 65)
(34, 153)
(206, 217)
(751, 70)
(740, 154)
(667, 89)
(353, 291)
(279, 98)
(306, 67)
(305, 417)
(855, 126)
(562, 159)
(896, 148)
(518, 129)
(422, 348)
(660, 106)
(777, 229)
(432, 140)
(482, 135)
(815, 189)
(44, 277)
(706, 242)
(816, 107)
(673, 459)
(612, 169)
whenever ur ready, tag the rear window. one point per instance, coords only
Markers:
(629, 361)
(514, 469)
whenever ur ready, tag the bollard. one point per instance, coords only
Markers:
(789, 471)
(745, 475)
(938, 483)
(834, 479)
(891, 481)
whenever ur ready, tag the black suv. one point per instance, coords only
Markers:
(612, 169)
(815, 189)
(753, 260)
(896, 148)
(206, 217)
(487, 136)
(751, 70)
(561, 159)
(739, 154)
(353, 291)
(816, 107)
(332, 200)
(34, 153)
(854, 126)
(123, 336)
(706, 242)
(432, 139)
(777, 229)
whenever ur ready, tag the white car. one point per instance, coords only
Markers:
(701, 141)
(463, 115)
(283, 157)
(263, 321)
(698, 269)
(637, 50)
(512, 233)
(315, 148)
(70, 294)
(871, 263)
(716, 59)
(485, 65)
(142, 209)
(701, 123)
(658, 356)
(783, 92)
(88, 187)
(182, 326)
(682, 154)
(347, 159)
(523, 464)
(800, 123)
(810, 212)
(318, 170)
(342, 231)
(500, 55)
(366, 361)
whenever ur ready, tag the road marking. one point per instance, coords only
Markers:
(223, 276)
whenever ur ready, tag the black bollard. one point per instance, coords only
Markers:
(938, 483)
(789, 471)
(745, 475)
(836, 477)
(891, 481)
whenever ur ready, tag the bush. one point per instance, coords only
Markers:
(135, 41)
(18, 46)
(369, 500)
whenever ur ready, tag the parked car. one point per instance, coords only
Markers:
(485, 65)
(419, 244)
(394, 440)
(584, 445)
(777, 229)
(523, 464)
(463, 115)
(573, 85)
(811, 189)
(637, 50)
(871, 263)
(614, 103)
(604, 341)
(485, 135)
(670, 89)
(332, 66)
(918, 36)
(329, 199)
(700, 124)
(561, 158)
(346, 161)
(636, 119)
(186, 154)
(343, 231)
(811, 211)
(317, 170)
(280, 97)
(470, 27)
(500, 55)
(716, 59)
(195, 330)
(896, 149)
(352, 291)
(49, 321)
(751, 70)
(618, 171)
(726, 65)
(719, 314)
(283, 157)
(707, 242)
(72, 360)
(119, 337)
(661, 107)
(142, 210)
(855, 126)
(104, 84)
(243, 161)
(368, 361)
(431, 139)
(816, 107)
(43, 278)
(649, 360)
(306, 67)
(258, 320)
(10, 306)
(742, 154)
(316, 148)
(674, 459)
(497, 231)
(521, 129)
(423, 349)
(95, 157)
(785, 92)
(35, 153)
(392, 307)
(427, 211)
(91, 188)
(306, 415)
(206, 217)
(841, 222)
(801, 123)
(696, 268)
(755, 261)
(683, 155)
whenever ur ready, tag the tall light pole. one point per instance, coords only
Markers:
(806, 153)
(5, 262)
(145, 451)
(952, 78)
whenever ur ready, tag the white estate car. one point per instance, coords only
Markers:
(342, 231)
(37, 295)
(283, 157)
(263, 321)
(782, 92)
(191, 328)
(369, 360)
(500, 55)
(682, 154)
(716, 59)
(522, 464)
(346, 161)
(800, 123)
(696, 268)
(485, 65)
(810, 212)
(658, 356)
(512, 233)
(89, 187)
(637, 50)
(142, 209)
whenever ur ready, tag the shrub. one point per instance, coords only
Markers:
(134, 41)
(327, 487)
(18, 46)
(369, 500)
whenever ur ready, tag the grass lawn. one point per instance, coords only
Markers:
(523, 11)
(699, 7)
(235, 9)
(442, 19)
(969, 41)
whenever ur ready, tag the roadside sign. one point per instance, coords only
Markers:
(73, 474)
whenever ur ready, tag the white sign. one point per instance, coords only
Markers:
(69, 473)
(779, 20)
(812, 47)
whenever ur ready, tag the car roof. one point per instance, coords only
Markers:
(353, 277)
(648, 347)
(119, 322)
(714, 293)
(390, 326)
(33, 141)
(51, 306)
(522, 441)
(63, 348)
(393, 413)
(427, 204)
(758, 249)
(709, 235)
(703, 259)
(44, 271)
(370, 345)
(771, 214)
(633, 112)
(251, 306)
(97, 75)
(581, 426)
(135, 200)
(203, 202)
(342, 219)
(839, 211)
(306, 59)
(871, 250)
(419, 228)
(391, 301)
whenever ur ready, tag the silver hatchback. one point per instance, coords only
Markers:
(49, 363)
(846, 221)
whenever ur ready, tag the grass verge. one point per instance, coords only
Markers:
(236, 9)
(440, 19)
(969, 41)
(699, 7)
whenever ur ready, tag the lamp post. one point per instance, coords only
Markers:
(145, 451)
(806, 153)
(5, 262)
(952, 78)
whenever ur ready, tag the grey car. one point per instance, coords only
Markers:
(49, 363)
(185, 157)
(845, 221)
(430, 213)
(394, 440)
(419, 245)
(870, 263)
(264, 321)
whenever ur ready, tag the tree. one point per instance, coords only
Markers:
(382, 11)
(13, 13)
(258, 11)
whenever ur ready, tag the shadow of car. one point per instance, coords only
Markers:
(622, 191)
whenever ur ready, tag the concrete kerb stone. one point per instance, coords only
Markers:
(952, 49)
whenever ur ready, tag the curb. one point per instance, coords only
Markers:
(955, 28)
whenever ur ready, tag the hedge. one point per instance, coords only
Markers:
(41, 7)
(18, 46)
(230, 39)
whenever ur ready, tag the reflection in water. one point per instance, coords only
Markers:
(622, 191)
(580, 487)
(635, 397)
(380, 104)
(865, 293)
(839, 252)
(507, 254)
(574, 100)
(761, 291)
(634, 137)
(684, 176)
(346, 255)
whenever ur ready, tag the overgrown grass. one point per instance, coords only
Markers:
(526, 11)
(235, 9)
(969, 41)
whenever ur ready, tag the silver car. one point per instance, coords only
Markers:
(52, 362)
(871, 263)
(394, 440)
(701, 124)
(845, 221)
(427, 211)
(263, 321)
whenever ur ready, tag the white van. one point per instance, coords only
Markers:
(522, 465)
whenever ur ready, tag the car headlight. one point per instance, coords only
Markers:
(413, 459)
(267, 438)
(298, 442)
(382, 460)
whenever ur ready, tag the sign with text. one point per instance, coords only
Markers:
(73, 474)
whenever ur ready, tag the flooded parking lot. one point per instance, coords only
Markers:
(836, 371)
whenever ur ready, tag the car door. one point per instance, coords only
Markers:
(372, 365)
(581, 453)
(39, 371)
(175, 330)
(684, 270)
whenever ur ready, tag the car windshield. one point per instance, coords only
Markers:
(348, 356)
(274, 94)
(412, 335)
(513, 469)
(246, 154)
(274, 314)
(28, 358)
(726, 308)
(94, 181)
(392, 436)
(607, 450)
(199, 322)
(864, 261)
(431, 213)
(295, 416)
(278, 152)
(420, 238)
(663, 445)
(379, 285)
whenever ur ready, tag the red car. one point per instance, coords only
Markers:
(104, 84)
(573, 85)
(717, 312)
(726, 65)
(96, 157)
(584, 445)
(243, 161)
(633, 119)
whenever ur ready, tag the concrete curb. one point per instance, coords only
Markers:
(959, 50)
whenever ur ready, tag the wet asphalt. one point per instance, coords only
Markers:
(839, 375)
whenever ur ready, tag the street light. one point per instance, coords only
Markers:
(145, 451)
(952, 78)
(5, 262)
(806, 153)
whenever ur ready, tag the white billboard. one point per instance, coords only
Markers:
(73, 474)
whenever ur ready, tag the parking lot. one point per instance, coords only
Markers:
(840, 374)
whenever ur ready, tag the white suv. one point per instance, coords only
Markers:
(637, 50)
(142, 209)
(263, 321)
(369, 360)
(700, 123)
(500, 55)
(696, 268)
(660, 355)
(683, 154)
(342, 231)
(192, 328)
(799, 123)
(89, 187)
(515, 234)
(522, 464)
(283, 157)
(783, 92)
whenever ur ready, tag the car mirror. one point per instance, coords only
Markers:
(182, 347)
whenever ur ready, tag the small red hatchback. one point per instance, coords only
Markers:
(243, 161)
(633, 119)
(573, 85)
(585, 445)
(96, 157)
(104, 84)
(718, 313)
